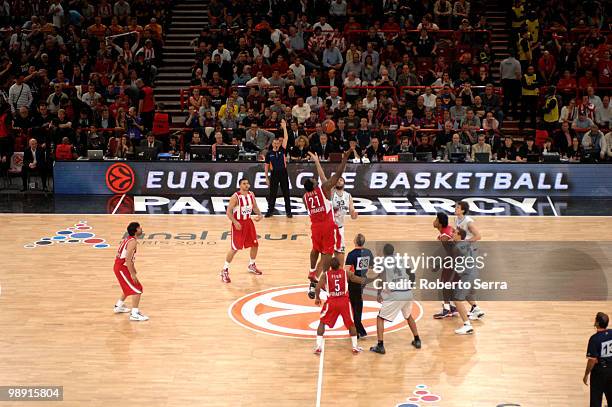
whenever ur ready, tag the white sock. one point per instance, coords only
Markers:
(312, 270)
(226, 265)
(319, 341)
(467, 323)
(446, 306)
(354, 341)
(476, 308)
(119, 303)
(134, 311)
(251, 262)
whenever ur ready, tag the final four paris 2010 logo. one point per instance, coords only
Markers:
(80, 233)
(287, 311)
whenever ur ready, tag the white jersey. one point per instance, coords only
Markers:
(340, 203)
(464, 224)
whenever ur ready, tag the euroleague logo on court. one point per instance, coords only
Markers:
(120, 178)
(287, 311)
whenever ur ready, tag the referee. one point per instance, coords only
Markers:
(361, 260)
(276, 161)
(599, 364)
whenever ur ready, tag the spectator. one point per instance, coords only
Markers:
(259, 137)
(375, 152)
(33, 161)
(20, 94)
(455, 146)
(425, 46)
(574, 152)
(301, 111)
(299, 152)
(481, 147)
(490, 123)
(594, 140)
(510, 72)
(324, 147)
(607, 144)
(508, 151)
(429, 98)
(528, 149)
(582, 123)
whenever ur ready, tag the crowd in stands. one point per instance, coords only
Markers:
(383, 76)
(399, 76)
(75, 76)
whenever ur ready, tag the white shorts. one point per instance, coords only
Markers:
(342, 245)
(390, 308)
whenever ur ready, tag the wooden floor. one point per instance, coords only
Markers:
(57, 325)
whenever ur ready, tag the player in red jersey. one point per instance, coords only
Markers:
(336, 279)
(445, 234)
(125, 272)
(241, 206)
(325, 235)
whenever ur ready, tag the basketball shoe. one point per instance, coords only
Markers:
(225, 276)
(121, 310)
(253, 269)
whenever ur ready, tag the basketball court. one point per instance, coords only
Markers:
(250, 342)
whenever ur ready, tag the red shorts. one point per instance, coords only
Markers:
(245, 237)
(335, 307)
(128, 285)
(325, 237)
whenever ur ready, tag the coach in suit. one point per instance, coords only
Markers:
(33, 161)
(455, 146)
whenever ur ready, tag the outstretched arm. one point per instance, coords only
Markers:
(333, 180)
(285, 134)
(314, 157)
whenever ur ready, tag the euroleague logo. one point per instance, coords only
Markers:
(120, 178)
(287, 311)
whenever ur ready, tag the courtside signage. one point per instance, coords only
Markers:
(381, 179)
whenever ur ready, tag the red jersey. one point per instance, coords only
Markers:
(319, 207)
(446, 232)
(244, 208)
(337, 283)
(122, 251)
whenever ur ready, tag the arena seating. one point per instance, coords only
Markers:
(105, 75)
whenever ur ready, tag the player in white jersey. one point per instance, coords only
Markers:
(241, 206)
(472, 234)
(342, 203)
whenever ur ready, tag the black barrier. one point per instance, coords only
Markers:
(365, 180)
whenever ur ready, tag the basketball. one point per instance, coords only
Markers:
(329, 126)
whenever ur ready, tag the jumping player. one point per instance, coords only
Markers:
(342, 203)
(125, 271)
(325, 235)
(445, 234)
(472, 234)
(336, 279)
(241, 206)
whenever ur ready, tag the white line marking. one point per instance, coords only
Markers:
(320, 380)
(552, 205)
(118, 204)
